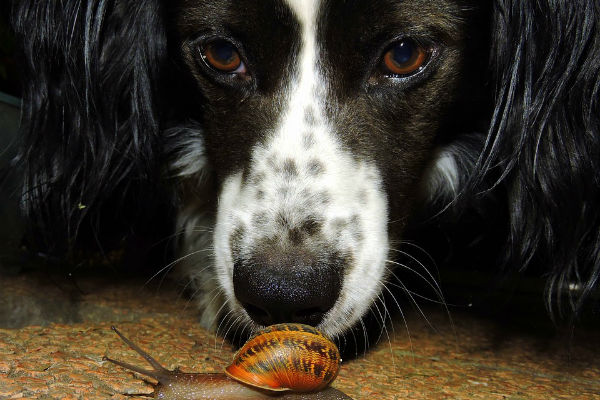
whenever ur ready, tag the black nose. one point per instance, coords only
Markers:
(287, 285)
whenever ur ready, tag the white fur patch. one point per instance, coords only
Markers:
(186, 151)
(446, 177)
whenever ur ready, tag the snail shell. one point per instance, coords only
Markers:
(281, 357)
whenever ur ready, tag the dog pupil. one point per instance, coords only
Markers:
(403, 52)
(224, 52)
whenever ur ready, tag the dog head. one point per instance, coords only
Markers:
(321, 120)
(326, 125)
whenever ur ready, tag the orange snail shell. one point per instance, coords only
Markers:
(293, 357)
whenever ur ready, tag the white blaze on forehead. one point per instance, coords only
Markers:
(308, 87)
(305, 10)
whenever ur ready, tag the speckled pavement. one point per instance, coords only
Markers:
(477, 359)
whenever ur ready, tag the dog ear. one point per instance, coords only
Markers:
(90, 119)
(544, 139)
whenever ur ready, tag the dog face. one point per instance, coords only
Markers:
(321, 121)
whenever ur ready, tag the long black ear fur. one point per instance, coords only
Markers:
(544, 140)
(91, 118)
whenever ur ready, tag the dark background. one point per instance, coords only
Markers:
(9, 79)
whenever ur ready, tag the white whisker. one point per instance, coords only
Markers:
(166, 267)
(234, 323)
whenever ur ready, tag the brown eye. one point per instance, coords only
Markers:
(404, 57)
(222, 56)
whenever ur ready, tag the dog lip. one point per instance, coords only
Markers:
(309, 316)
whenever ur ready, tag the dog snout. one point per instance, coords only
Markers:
(288, 285)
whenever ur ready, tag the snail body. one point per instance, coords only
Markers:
(258, 370)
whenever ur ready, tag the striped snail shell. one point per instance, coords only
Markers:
(292, 357)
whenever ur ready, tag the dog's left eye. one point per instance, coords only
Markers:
(223, 56)
(404, 58)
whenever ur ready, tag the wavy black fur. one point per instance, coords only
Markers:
(544, 137)
(94, 113)
(91, 115)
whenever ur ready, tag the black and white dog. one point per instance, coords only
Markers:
(299, 141)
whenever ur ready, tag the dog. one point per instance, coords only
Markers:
(292, 146)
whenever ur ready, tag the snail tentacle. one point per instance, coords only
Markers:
(158, 372)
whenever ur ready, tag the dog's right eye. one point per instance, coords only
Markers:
(223, 56)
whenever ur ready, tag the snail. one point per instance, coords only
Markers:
(284, 361)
